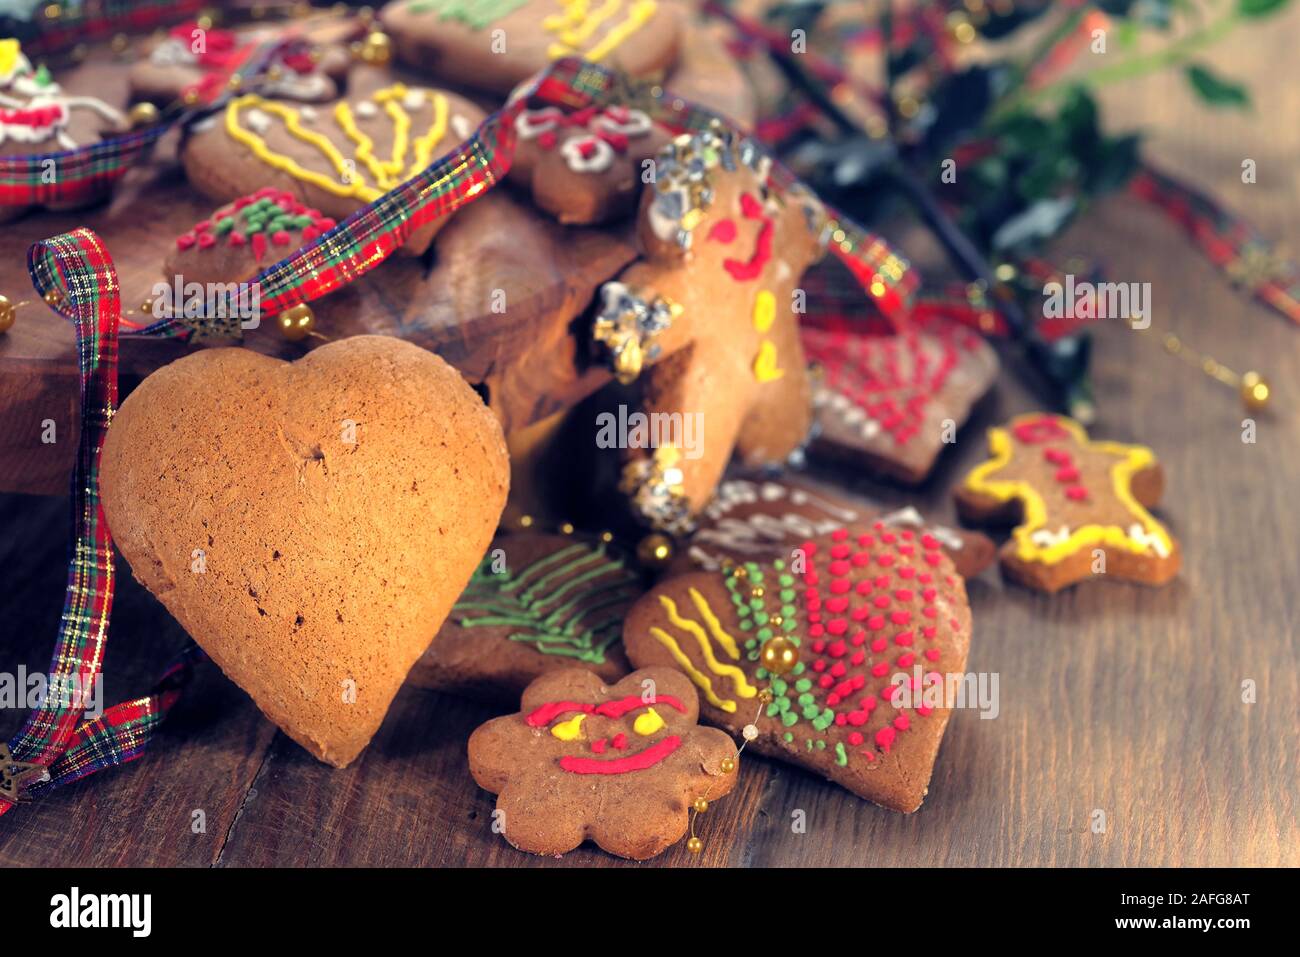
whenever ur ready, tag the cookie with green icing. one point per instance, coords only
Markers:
(536, 603)
(878, 618)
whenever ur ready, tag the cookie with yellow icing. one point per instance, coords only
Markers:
(334, 157)
(705, 324)
(495, 45)
(878, 625)
(1079, 505)
(618, 765)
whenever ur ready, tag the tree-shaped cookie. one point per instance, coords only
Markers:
(618, 765)
(584, 166)
(1080, 505)
(334, 157)
(710, 304)
(880, 624)
(536, 603)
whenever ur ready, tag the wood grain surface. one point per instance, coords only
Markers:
(1113, 698)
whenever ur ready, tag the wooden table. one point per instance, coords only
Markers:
(1114, 698)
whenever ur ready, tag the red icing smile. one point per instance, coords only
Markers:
(725, 232)
(543, 715)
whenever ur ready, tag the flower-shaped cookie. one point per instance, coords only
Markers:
(619, 765)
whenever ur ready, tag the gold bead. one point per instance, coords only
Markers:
(8, 312)
(377, 50)
(1255, 392)
(765, 695)
(606, 537)
(655, 550)
(525, 521)
(695, 845)
(566, 528)
(700, 805)
(741, 572)
(757, 591)
(235, 81)
(728, 765)
(146, 307)
(52, 297)
(779, 655)
(53, 12)
(204, 22)
(296, 323)
(776, 621)
(144, 114)
(190, 98)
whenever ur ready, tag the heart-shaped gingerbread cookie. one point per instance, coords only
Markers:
(311, 523)
(875, 613)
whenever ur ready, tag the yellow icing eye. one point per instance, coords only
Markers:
(764, 310)
(648, 722)
(569, 730)
(765, 369)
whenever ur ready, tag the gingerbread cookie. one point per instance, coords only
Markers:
(310, 524)
(710, 304)
(241, 239)
(872, 615)
(37, 116)
(1080, 505)
(535, 604)
(758, 520)
(890, 403)
(620, 766)
(497, 44)
(584, 166)
(335, 158)
(198, 64)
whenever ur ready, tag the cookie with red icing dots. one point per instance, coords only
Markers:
(1079, 505)
(242, 238)
(880, 620)
(760, 519)
(619, 765)
(890, 403)
(584, 166)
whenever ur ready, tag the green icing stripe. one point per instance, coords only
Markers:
(519, 600)
(475, 14)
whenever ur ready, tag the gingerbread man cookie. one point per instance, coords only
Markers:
(1081, 505)
(890, 403)
(38, 117)
(584, 166)
(335, 158)
(497, 44)
(536, 603)
(620, 766)
(762, 519)
(877, 620)
(710, 304)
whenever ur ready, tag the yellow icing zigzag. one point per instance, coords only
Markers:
(1135, 459)
(386, 174)
(715, 627)
(743, 688)
(694, 673)
(577, 23)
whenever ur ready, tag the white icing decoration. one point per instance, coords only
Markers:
(257, 121)
(909, 516)
(531, 124)
(365, 109)
(601, 158)
(1044, 538)
(308, 114)
(760, 531)
(461, 127)
(301, 86)
(414, 99)
(1148, 540)
(173, 52)
(58, 129)
(870, 429)
(637, 123)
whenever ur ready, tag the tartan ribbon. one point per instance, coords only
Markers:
(78, 270)
(82, 23)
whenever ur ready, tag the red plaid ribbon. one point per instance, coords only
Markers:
(79, 270)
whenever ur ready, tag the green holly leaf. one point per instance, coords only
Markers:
(1259, 8)
(1215, 90)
